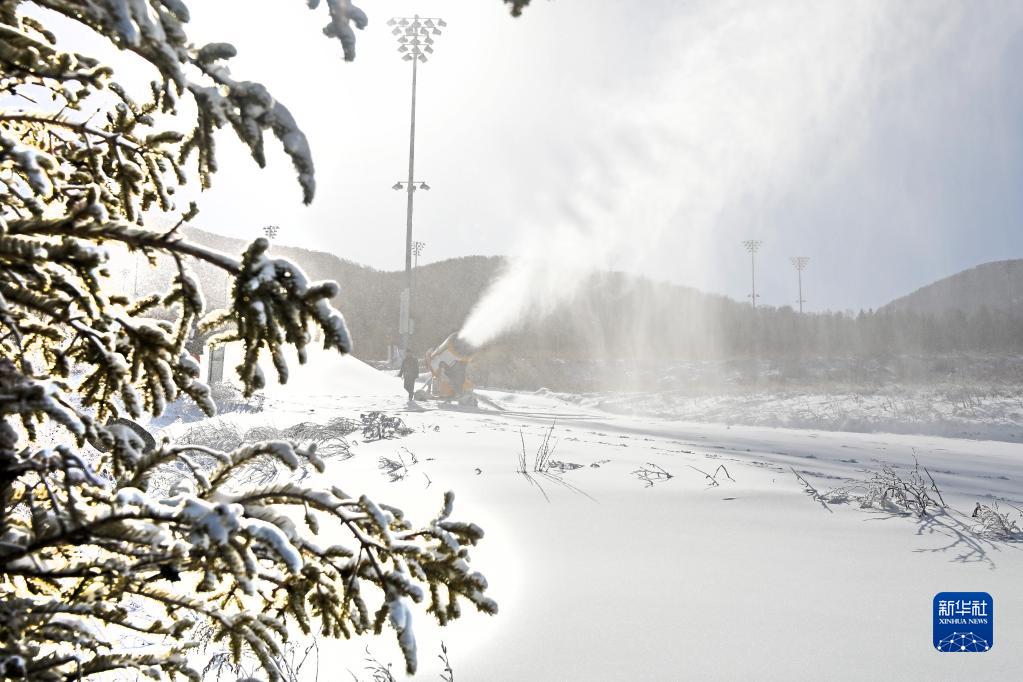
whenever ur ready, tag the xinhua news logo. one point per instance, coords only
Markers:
(964, 622)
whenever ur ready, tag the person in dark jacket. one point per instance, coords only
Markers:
(410, 372)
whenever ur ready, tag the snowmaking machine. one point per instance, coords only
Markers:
(449, 365)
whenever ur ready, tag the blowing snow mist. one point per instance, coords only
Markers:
(751, 102)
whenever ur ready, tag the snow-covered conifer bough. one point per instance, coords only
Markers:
(115, 554)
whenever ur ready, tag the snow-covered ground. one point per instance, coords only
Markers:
(613, 571)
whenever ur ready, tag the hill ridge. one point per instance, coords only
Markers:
(997, 285)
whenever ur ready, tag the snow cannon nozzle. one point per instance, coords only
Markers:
(461, 346)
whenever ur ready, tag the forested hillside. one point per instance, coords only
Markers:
(626, 317)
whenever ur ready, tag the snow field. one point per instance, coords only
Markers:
(676, 580)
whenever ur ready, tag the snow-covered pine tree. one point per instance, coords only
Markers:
(115, 553)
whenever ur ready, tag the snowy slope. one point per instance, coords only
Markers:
(612, 579)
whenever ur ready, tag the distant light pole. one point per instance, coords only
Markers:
(799, 263)
(136, 289)
(126, 276)
(753, 245)
(415, 41)
(271, 231)
(417, 250)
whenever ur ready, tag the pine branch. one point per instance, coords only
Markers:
(134, 237)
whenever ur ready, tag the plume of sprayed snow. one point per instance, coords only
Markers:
(752, 101)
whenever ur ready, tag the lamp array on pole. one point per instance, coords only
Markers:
(271, 231)
(753, 245)
(799, 263)
(415, 41)
(415, 35)
(418, 184)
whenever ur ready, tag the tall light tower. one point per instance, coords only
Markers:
(753, 245)
(415, 42)
(799, 263)
(136, 289)
(417, 250)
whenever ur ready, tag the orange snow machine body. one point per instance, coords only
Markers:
(449, 367)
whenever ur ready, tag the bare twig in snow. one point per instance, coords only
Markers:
(652, 473)
(447, 675)
(811, 491)
(713, 480)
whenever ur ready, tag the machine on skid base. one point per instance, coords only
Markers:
(449, 365)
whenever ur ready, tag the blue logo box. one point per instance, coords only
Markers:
(964, 622)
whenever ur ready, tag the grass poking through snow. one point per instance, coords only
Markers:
(543, 466)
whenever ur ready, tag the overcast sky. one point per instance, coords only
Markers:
(881, 139)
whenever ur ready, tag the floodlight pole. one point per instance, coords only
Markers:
(410, 187)
(415, 41)
(752, 245)
(799, 263)
(406, 310)
(799, 276)
(417, 250)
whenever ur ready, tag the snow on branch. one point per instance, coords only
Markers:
(273, 304)
(107, 534)
(126, 155)
(200, 545)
